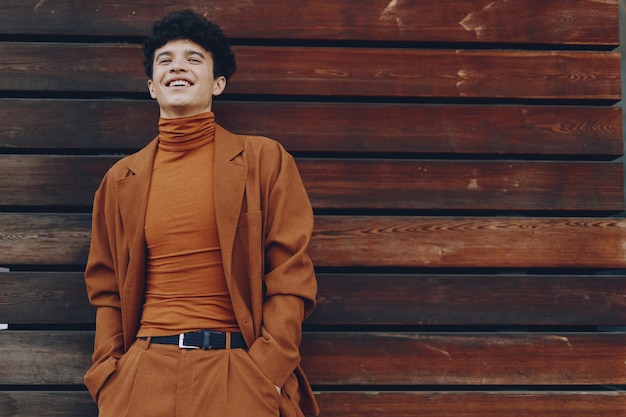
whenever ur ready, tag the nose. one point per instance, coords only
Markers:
(177, 66)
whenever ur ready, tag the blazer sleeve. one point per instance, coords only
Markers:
(289, 281)
(103, 293)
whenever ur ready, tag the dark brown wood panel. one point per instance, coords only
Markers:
(42, 238)
(314, 127)
(53, 180)
(527, 21)
(464, 358)
(472, 404)
(428, 73)
(75, 124)
(47, 403)
(376, 299)
(467, 299)
(44, 298)
(370, 404)
(331, 71)
(370, 241)
(45, 357)
(49, 358)
(475, 185)
(373, 241)
(361, 183)
(72, 67)
(430, 129)
(477, 108)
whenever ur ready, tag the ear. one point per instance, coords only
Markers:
(151, 89)
(219, 85)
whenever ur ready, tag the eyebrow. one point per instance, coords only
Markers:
(187, 53)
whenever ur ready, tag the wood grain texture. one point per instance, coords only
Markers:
(367, 358)
(44, 297)
(471, 404)
(428, 73)
(74, 124)
(430, 129)
(411, 129)
(373, 241)
(46, 239)
(91, 125)
(372, 404)
(47, 403)
(528, 21)
(465, 110)
(323, 71)
(55, 180)
(470, 299)
(464, 358)
(461, 242)
(34, 180)
(463, 185)
(45, 357)
(371, 299)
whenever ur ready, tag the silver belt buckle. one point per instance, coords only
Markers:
(181, 343)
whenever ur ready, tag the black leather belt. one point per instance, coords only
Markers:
(203, 339)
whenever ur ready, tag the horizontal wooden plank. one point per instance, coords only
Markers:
(51, 180)
(44, 298)
(370, 403)
(428, 73)
(456, 358)
(471, 404)
(47, 403)
(368, 128)
(372, 358)
(463, 185)
(362, 183)
(450, 299)
(41, 238)
(529, 21)
(462, 242)
(376, 299)
(374, 241)
(45, 358)
(77, 124)
(331, 71)
(430, 129)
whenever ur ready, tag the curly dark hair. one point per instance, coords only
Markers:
(187, 24)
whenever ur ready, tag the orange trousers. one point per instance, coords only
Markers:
(155, 380)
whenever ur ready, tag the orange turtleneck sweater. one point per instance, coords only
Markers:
(185, 285)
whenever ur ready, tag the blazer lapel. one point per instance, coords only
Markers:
(132, 193)
(133, 196)
(230, 183)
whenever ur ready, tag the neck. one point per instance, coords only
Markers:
(175, 112)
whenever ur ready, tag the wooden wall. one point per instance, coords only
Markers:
(462, 157)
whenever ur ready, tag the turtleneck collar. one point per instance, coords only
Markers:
(186, 133)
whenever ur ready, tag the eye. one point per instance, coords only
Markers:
(195, 60)
(164, 61)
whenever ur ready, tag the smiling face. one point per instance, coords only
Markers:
(182, 79)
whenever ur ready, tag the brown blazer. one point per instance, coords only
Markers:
(264, 220)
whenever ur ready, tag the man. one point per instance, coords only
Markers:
(197, 266)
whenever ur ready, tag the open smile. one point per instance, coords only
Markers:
(178, 83)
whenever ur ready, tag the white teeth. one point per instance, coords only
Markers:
(179, 83)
